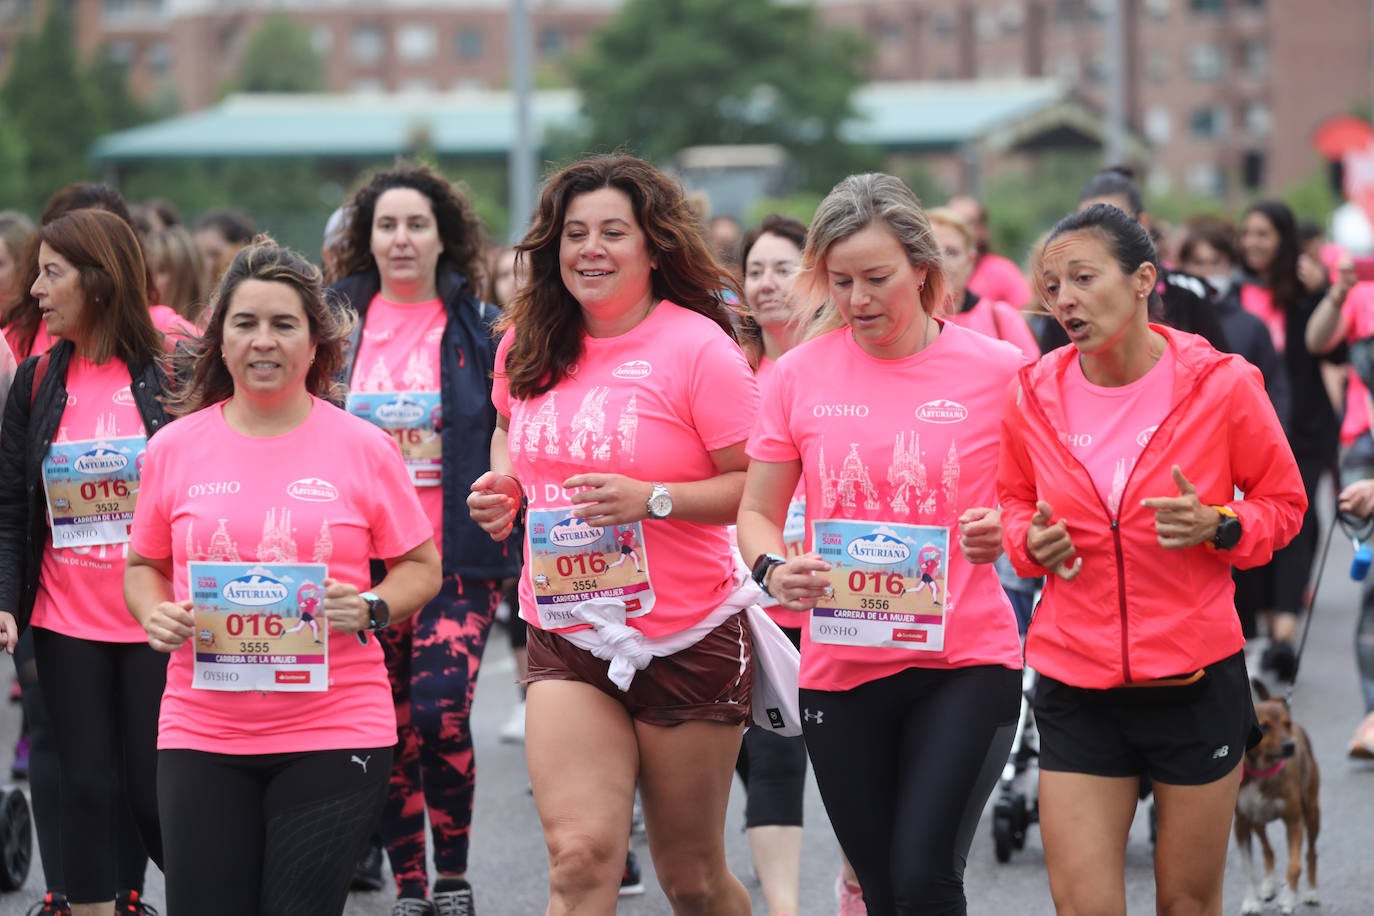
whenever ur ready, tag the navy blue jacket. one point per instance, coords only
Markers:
(467, 358)
(30, 424)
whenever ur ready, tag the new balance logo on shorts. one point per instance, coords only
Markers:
(1222, 752)
(815, 716)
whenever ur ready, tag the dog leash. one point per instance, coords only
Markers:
(1357, 529)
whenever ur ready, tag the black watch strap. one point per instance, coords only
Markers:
(762, 567)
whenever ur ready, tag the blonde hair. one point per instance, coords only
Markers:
(944, 216)
(174, 251)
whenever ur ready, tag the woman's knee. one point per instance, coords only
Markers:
(692, 884)
(579, 859)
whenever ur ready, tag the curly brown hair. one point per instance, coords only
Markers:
(548, 320)
(209, 380)
(459, 228)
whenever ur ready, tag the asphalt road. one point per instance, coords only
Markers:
(508, 868)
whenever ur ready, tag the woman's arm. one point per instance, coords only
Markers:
(494, 503)
(614, 499)
(411, 580)
(148, 594)
(1327, 326)
(768, 489)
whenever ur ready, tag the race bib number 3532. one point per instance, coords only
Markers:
(91, 489)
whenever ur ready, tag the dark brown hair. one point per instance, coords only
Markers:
(1213, 231)
(460, 230)
(263, 259)
(548, 320)
(105, 252)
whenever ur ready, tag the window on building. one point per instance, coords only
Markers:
(121, 52)
(367, 44)
(1157, 66)
(1100, 10)
(1206, 63)
(1257, 119)
(160, 57)
(1159, 9)
(1252, 169)
(1066, 11)
(1209, 122)
(1159, 124)
(416, 41)
(942, 23)
(1206, 179)
(469, 44)
(322, 39)
(1255, 58)
(1207, 7)
(230, 38)
(552, 41)
(1013, 17)
(985, 25)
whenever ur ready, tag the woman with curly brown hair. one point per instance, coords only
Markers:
(625, 404)
(420, 368)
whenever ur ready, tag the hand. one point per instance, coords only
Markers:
(609, 499)
(1358, 499)
(169, 625)
(344, 607)
(1050, 545)
(980, 534)
(795, 585)
(1311, 273)
(9, 631)
(494, 504)
(1182, 520)
(1345, 278)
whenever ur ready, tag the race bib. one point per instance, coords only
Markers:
(259, 626)
(886, 585)
(794, 529)
(413, 419)
(571, 561)
(91, 489)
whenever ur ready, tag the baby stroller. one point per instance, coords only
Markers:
(1018, 790)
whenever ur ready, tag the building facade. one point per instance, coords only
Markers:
(1227, 91)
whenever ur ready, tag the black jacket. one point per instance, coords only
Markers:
(467, 358)
(29, 426)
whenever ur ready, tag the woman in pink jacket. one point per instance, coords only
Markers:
(1122, 456)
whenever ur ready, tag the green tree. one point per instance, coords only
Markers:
(279, 58)
(108, 80)
(668, 74)
(12, 157)
(52, 107)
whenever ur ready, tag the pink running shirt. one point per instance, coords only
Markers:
(1109, 427)
(1000, 322)
(909, 441)
(1259, 302)
(651, 404)
(41, 341)
(400, 352)
(331, 491)
(81, 589)
(999, 279)
(794, 531)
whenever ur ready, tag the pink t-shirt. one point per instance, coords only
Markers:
(331, 491)
(1000, 322)
(651, 404)
(41, 341)
(1259, 302)
(1109, 427)
(400, 353)
(999, 279)
(909, 441)
(1359, 316)
(794, 529)
(81, 589)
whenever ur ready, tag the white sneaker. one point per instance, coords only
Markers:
(513, 732)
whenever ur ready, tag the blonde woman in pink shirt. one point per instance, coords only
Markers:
(625, 403)
(889, 416)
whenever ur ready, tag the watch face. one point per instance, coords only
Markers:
(660, 504)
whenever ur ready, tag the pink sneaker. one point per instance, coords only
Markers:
(850, 898)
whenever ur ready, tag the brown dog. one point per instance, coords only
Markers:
(1279, 781)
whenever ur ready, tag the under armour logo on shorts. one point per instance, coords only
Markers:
(816, 716)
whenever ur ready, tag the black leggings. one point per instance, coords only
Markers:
(773, 770)
(103, 700)
(271, 834)
(904, 765)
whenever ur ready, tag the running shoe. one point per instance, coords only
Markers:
(513, 731)
(631, 883)
(412, 906)
(51, 905)
(19, 769)
(367, 875)
(850, 898)
(1282, 660)
(454, 900)
(131, 903)
(1362, 744)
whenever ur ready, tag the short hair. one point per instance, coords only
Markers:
(235, 225)
(460, 230)
(1126, 239)
(945, 216)
(174, 251)
(853, 205)
(1212, 231)
(548, 320)
(1115, 181)
(209, 381)
(109, 262)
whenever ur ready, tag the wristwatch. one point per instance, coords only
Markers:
(378, 611)
(660, 502)
(1228, 529)
(762, 567)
